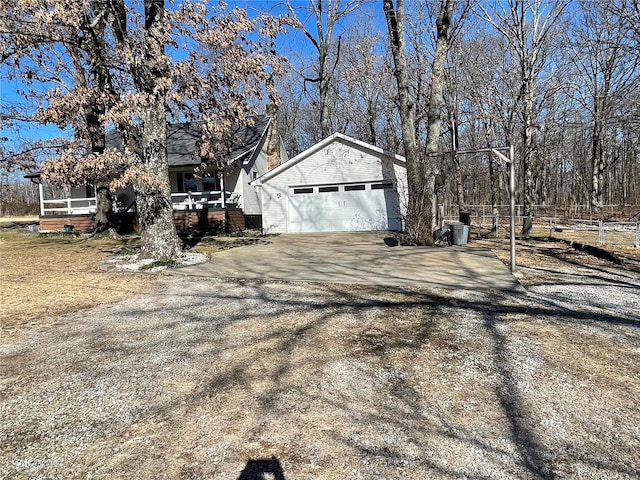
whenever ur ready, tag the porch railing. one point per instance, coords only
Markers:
(179, 200)
(200, 200)
(68, 206)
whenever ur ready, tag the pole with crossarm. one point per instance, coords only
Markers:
(512, 203)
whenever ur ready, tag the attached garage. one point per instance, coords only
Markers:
(339, 184)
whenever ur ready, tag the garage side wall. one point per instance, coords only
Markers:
(337, 163)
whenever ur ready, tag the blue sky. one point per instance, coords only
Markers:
(294, 42)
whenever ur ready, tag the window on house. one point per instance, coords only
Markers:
(381, 186)
(350, 188)
(187, 182)
(328, 189)
(211, 183)
(303, 190)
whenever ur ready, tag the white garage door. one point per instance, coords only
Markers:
(340, 208)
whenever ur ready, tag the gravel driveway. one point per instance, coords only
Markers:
(251, 380)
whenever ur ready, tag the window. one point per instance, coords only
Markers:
(187, 182)
(303, 190)
(328, 189)
(350, 188)
(211, 183)
(382, 186)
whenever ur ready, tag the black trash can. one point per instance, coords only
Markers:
(465, 217)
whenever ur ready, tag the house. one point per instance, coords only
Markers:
(339, 184)
(222, 200)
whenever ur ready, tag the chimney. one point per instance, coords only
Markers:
(273, 139)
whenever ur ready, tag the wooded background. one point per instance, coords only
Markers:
(557, 79)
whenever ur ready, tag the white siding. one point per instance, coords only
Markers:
(251, 204)
(338, 162)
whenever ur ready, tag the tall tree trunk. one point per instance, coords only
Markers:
(99, 68)
(597, 156)
(528, 151)
(436, 99)
(495, 174)
(457, 167)
(158, 233)
(104, 200)
(419, 208)
(325, 83)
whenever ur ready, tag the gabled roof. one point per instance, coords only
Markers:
(183, 138)
(319, 146)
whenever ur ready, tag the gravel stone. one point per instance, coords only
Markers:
(202, 377)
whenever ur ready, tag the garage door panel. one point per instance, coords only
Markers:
(348, 209)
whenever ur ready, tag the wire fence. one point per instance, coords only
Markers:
(573, 222)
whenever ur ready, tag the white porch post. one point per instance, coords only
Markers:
(69, 203)
(41, 194)
(222, 192)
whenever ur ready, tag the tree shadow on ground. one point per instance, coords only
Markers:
(523, 434)
(565, 254)
(199, 332)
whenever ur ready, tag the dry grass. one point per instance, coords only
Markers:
(23, 219)
(615, 241)
(44, 276)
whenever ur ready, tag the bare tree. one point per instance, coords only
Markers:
(421, 170)
(419, 209)
(67, 50)
(529, 26)
(436, 98)
(608, 72)
(326, 15)
(365, 94)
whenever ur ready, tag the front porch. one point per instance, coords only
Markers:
(210, 212)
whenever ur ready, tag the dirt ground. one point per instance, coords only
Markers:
(254, 380)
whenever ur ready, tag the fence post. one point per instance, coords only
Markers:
(601, 231)
(636, 242)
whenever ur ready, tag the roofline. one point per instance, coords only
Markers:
(318, 146)
(253, 149)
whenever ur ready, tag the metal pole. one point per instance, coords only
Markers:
(512, 203)
(512, 208)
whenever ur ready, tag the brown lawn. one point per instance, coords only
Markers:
(44, 276)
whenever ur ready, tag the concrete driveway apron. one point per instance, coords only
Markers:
(359, 258)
